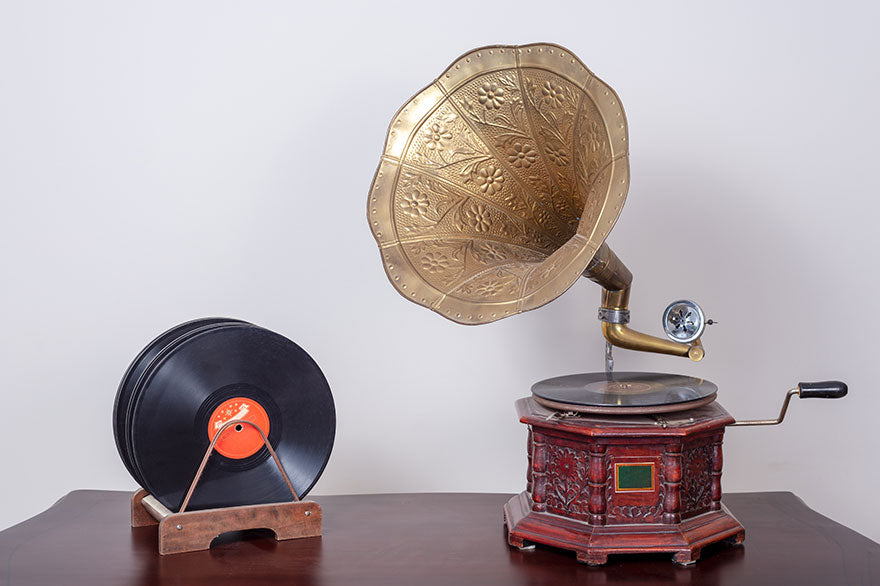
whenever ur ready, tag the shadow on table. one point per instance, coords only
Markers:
(545, 564)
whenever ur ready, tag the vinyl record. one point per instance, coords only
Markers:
(124, 393)
(603, 392)
(210, 374)
(161, 351)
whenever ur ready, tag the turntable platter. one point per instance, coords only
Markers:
(624, 392)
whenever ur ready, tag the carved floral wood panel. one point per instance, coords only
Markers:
(696, 480)
(567, 481)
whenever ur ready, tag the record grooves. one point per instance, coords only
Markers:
(201, 374)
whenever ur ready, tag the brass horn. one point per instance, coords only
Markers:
(498, 185)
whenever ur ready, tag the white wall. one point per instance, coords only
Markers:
(165, 161)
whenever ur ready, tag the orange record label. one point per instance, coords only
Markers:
(238, 441)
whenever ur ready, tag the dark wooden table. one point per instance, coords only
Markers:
(420, 540)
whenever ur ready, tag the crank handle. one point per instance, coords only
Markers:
(831, 389)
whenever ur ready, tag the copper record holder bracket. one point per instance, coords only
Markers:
(186, 531)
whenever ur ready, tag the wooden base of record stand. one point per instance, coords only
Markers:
(186, 531)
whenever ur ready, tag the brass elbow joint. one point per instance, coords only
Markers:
(623, 337)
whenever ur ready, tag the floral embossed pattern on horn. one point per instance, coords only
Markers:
(499, 182)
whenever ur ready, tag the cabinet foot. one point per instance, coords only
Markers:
(592, 559)
(687, 557)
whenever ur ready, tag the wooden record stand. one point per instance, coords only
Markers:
(600, 485)
(186, 531)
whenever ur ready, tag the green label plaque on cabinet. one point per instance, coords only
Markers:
(634, 477)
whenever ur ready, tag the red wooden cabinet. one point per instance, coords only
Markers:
(599, 484)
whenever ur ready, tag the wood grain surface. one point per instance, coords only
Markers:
(421, 540)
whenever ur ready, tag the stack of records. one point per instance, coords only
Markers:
(190, 381)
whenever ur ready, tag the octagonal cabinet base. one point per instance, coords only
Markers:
(593, 544)
(610, 484)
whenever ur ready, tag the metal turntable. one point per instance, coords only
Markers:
(496, 190)
(622, 393)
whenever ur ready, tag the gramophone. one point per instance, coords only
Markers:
(497, 188)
